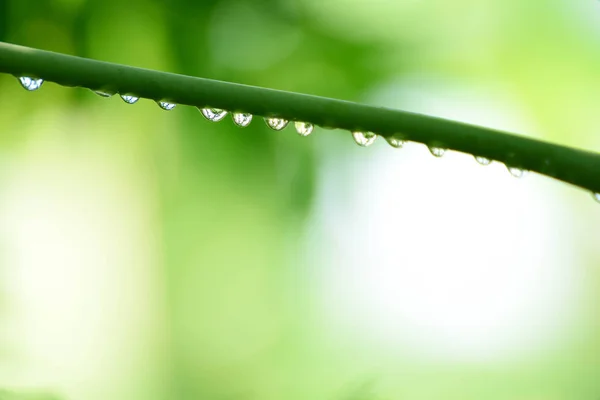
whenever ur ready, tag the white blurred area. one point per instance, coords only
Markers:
(444, 260)
(80, 286)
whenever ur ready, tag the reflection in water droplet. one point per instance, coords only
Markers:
(276, 123)
(364, 139)
(129, 99)
(596, 197)
(30, 83)
(303, 128)
(516, 172)
(241, 119)
(483, 160)
(437, 151)
(103, 94)
(165, 105)
(394, 142)
(213, 114)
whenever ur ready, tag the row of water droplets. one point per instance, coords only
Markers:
(242, 119)
(368, 138)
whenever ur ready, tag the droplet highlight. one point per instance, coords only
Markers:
(394, 142)
(303, 128)
(213, 114)
(241, 119)
(516, 172)
(30, 84)
(364, 139)
(166, 105)
(483, 160)
(103, 94)
(437, 151)
(129, 99)
(596, 197)
(276, 123)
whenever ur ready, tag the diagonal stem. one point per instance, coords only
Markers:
(574, 166)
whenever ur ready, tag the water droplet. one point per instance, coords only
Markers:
(516, 172)
(483, 160)
(103, 94)
(165, 105)
(276, 123)
(129, 99)
(394, 142)
(437, 151)
(30, 83)
(596, 197)
(241, 119)
(364, 139)
(303, 128)
(213, 114)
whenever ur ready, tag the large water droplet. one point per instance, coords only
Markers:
(129, 99)
(437, 151)
(165, 105)
(103, 94)
(596, 197)
(364, 139)
(394, 142)
(30, 83)
(276, 123)
(516, 172)
(483, 160)
(303, 128)
(241, 119)
(213, 114)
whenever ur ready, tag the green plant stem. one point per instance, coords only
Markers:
(578, 167)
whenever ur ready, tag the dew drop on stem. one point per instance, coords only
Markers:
(483, 160)
(437, 151)
(241, 119)
(166, 105)
(516, 172)
(395, 143)
(303, 128)
(276, 123)
(213, 114)
(102, 93)
(30, 84)
(129, 99)
(364, 139)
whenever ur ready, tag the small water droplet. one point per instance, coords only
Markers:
(483, 160)
(166, 105)
(30, 83)
(596, 197)
(303, 128)
(213, 114)
(437, 151)
(103, 94)
(241, 119)
(276, 123)
(394, 142)
(129, 99)
(364, 139)
(516, 172)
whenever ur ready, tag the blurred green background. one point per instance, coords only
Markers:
(149, 255)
